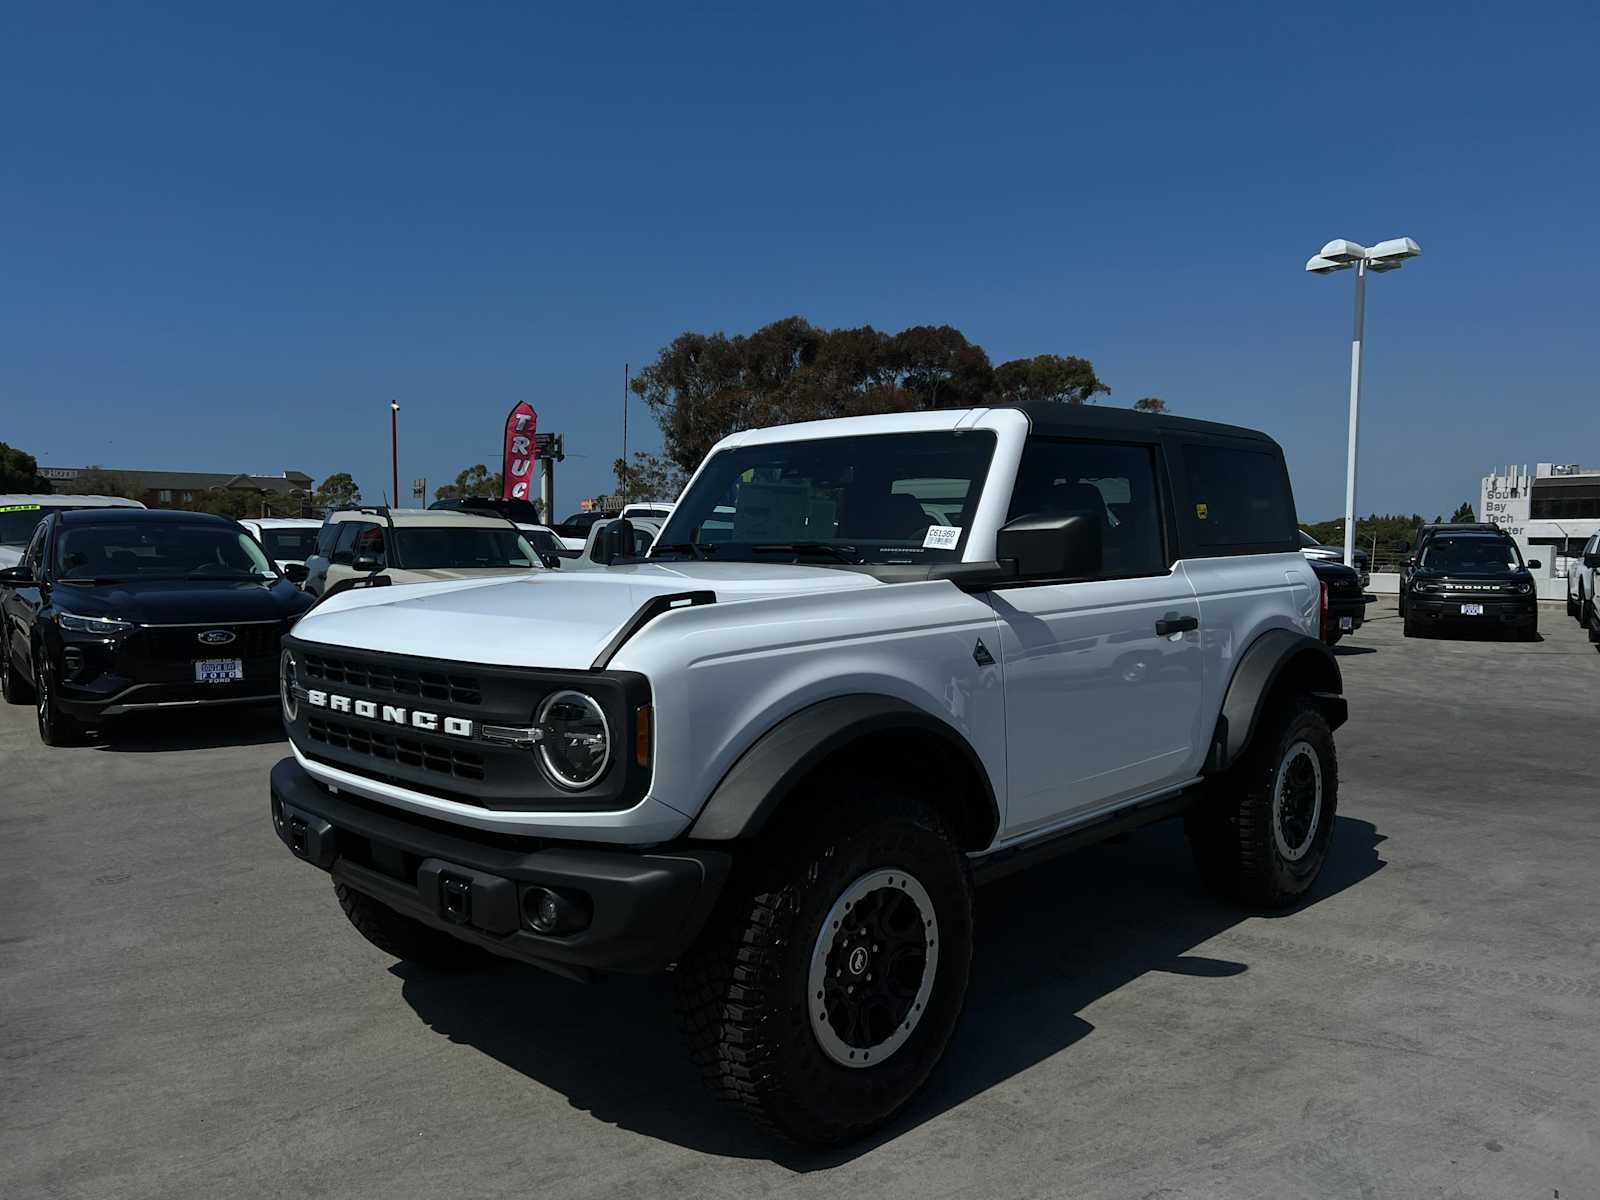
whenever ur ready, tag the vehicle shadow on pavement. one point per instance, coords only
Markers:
(1347, 651)
(156, 732)
(1051, 942)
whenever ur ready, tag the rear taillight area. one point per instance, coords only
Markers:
(1322, 617)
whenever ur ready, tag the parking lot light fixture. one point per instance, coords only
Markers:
(1340, 255)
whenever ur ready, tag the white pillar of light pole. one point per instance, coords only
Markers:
(1341, 255)
(1355, 418)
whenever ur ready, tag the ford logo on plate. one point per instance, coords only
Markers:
(216, 637)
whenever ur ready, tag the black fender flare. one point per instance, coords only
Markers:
(1261, 667)
(765, 775)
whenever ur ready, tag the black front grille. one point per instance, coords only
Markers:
(470, 770)
(408, 752)
(182, 642)
(382, 675)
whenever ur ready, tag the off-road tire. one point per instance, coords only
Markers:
(56, 728)
(405, 938)
(13, 688)
(1231, 830)
(1574, 607)
(743, 994)
(1411, 628)
(1333, 636)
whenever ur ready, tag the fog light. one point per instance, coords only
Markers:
(72, 659)
(551, 912)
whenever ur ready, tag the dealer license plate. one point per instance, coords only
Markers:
(218, 670)
(1347, 623)
(1472, 610)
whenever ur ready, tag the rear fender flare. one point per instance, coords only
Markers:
(1278, 657)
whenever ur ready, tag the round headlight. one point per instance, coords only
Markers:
(286, 682)
(576, 743)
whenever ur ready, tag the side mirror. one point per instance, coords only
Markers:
(551, 561)
(366, 563)
(1534, 564)
(614, 541)
(17, 577)
(1051, 545)
(296, 573)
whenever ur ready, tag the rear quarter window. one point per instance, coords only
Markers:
(1237, 500)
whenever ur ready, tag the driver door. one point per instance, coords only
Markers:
(1102, 675)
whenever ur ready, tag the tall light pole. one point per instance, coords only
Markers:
(394, 453)
(1341, 255)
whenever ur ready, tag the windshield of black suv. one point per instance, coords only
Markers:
(290, 544)
(443, 548)
(158, 550)
(878, 498)
(1471, 556)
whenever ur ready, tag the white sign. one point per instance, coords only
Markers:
(941, 537)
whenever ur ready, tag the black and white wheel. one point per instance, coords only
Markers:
(1573, 607)
(828, 986)
(1262, 834)
(404, 938)
(56, 728)
(13, 688)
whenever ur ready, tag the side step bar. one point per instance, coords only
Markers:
(1000, 863)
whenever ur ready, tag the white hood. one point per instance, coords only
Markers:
(547, 618)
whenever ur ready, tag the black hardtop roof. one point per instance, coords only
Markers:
(1053, 417)
(1462, 527)
(1477, 534)
(167, 516)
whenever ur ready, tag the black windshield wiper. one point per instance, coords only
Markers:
(694, 550)
(93, 580)
(228, 578)
(844, 554)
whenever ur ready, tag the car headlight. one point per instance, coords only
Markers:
(97, 625)
(1524, 588)
(288, 680)
(1428, 587)
(575, 746)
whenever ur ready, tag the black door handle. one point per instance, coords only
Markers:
(1170, 625)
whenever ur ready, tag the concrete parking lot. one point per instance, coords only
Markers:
(185, 1013)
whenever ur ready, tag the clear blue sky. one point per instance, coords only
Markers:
(230, 234)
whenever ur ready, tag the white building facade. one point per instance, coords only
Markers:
(1550, 513)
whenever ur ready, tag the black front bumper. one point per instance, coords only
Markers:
(1521, 613)
(645, 908)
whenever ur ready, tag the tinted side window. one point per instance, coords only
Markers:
(342, 548)
(1116, 484)
(1239, 499)
(34, 554)
(369, 543)
(326, 537)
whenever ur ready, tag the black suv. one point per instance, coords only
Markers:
(1471, 577)
(119, 610)
(1346, 602)
(1424, 533)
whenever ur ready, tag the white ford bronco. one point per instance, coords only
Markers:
(867, 663)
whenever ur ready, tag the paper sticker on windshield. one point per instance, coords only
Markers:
(941, 537)
(1201, 511)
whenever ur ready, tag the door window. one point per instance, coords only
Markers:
(369, 543)
(343, 549)
(34, 554)
(1115, 484)
(326, 537)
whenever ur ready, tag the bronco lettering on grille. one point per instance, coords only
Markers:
(428, 722)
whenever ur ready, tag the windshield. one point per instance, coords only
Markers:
(1472, 556)
(286, 544)
(884, 498)
(17, 523)
(544, 541)
(1307, 540)
(165, 549)
(425, 549)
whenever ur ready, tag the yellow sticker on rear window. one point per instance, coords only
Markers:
(1200, 511)
(19, 508)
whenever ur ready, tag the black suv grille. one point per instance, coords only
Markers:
(408, 752)
(161, 643)
(380, 675)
